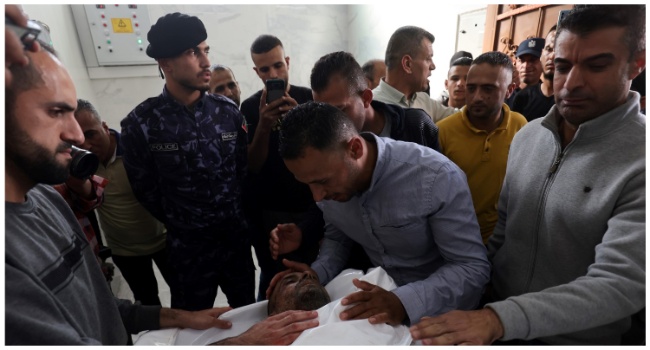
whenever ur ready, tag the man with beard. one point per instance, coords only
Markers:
(337, 79)
(406, 204)
(54, 294)
(569, 250)
(272, 195)
(185, 157)
(536, 100)
(478, 137)
(223, 82)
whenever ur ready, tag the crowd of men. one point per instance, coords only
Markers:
(506, 213)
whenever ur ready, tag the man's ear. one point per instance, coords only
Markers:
(355, 147)
(164, 64)
(366, 97)
(286, 59)
(511, 89)
(446, 84)
(407, 61)
(637, 66)
(105, 127)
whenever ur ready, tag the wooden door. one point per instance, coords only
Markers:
(508, 25)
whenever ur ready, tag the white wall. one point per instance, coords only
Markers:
(372, 25)
(307, 32)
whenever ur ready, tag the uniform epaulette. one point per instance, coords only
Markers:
(147, 105)
(222, 99)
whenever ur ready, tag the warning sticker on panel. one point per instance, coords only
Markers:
(122, 25)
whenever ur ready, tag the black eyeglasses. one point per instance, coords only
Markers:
(28, 35)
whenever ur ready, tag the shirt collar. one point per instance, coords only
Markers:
(601, 125)
(505, 110)
(380, 163)
(394, 94)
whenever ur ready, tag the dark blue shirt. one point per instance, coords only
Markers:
(186, 167)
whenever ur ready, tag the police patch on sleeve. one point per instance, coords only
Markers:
(228, 136)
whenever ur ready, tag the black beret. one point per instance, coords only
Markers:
(174, 33)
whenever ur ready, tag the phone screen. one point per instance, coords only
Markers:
(274, 89)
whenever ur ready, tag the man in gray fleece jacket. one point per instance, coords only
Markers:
(568, 252)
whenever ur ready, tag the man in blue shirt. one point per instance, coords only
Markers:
(407, 205)
(185, 156)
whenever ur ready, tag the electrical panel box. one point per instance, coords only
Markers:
(113, 35)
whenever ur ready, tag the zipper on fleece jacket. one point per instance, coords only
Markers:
(540, 211)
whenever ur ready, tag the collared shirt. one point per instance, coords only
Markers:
(417, 222)
(388, 94)
(483, 157)
(186, 167)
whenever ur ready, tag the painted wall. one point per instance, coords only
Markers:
(307, 32)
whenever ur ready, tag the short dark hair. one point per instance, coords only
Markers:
(24, 78)
(584, 19)
(220, 67)
(85, 105)
(495, 58)
(342, 63)
(462, 61)
(313, 124)
(405, 41)
(368, 69)
(553, 28)
(265, 43)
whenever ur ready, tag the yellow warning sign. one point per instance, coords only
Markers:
(122, 25)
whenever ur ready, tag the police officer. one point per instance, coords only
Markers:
(185, 156)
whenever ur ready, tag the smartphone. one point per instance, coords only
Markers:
(27, 35)
(561, 16)
(274, 89)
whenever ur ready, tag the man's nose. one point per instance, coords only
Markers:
(72, 132)
(573, 80)
(317, 192)
(204, 61)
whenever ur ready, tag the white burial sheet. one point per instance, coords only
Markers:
(331, 330)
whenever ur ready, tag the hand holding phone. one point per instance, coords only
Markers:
(27, 35)
(274, 89)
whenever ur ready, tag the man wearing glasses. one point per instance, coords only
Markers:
(185, 156)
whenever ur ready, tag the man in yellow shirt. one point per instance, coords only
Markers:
(478, 137)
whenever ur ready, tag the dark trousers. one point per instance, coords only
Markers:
(201, 262)
(138, 273)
